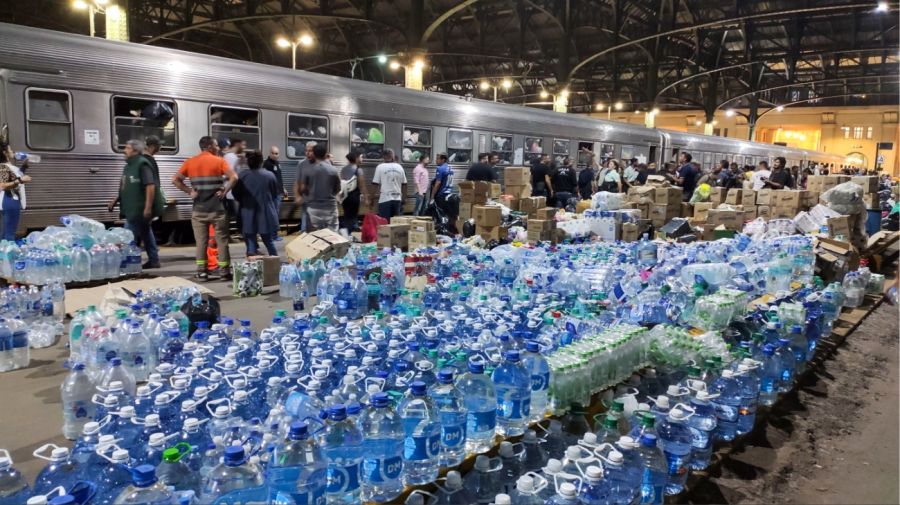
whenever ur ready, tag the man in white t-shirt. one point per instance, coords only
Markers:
(391, 181)
(758, 179)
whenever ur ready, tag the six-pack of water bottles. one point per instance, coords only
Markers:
(386, 380)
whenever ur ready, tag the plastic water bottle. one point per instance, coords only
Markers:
(342, 442)
(540, 380)
(453, 418)
(453, 492)
(422, 436)
(527, 490)
(748, 385)
(138, 357)
(512, 383)
(594, 489)
(623, 484)
(76, 392)
(785, 357)
(382, 431)
(145, 489)
(727, 404)
(61, 469)
(770, 376)
(14, 488)
(81, 264)
(173, 470)
(15, 352)
(480, 401)
(297, 472)
(676, 440)
(511, 462)
(655, 470)
(702, 425)
(534, 456)
(233, 473)
(567, 494)
(114, 477)
(484, 481)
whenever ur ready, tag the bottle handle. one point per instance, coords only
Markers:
(540, 482)
(220, 401)
(426, 493)
(39, 452)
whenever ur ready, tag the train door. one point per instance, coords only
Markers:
(654, 154)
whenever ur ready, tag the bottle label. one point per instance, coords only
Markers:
(514, 409)
(650, 492)
(343, 479)
(453, 436)
(382, 470)
(20, 339)
(422, 448)
(479, 422)
(76, 410)
(540, 382)
(341, 304)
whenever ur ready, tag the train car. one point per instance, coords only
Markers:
(75, 100)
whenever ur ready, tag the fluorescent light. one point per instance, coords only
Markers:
(882, 7)
(283, 42)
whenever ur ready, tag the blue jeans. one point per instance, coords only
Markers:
(421, 205)
(143, 235)
(12, 211)
(253, 245)
(390, 209)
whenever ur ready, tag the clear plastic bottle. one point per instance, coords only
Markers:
(567, 494)
(61, 470)
(484, 481)
(540, 380)
(676, 442)
(512, 383)
(14, 489)
(655, 470)
(452, 414)
(173, 472)
(297, 469)
(480, 401)
(145, 489)
(341, 441)
(383, 435)
(114, 477)
(234, 473)
(422, 436)
(76, 392)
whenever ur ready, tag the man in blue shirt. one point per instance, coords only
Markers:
(686, 177)
(442, 191)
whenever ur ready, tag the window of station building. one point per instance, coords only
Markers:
(534, 147)
(585, 152)
(235, 123)
(846, 131)
(459, 146)
(139, 118)
(857, 132)
(302, 129)
(367, 138)
(503, 146)
(49, 117)
(869, 132)
(416, 143)
(560, 150)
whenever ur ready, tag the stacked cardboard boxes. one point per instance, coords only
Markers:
(517, 181)
(531, 204)
(472, 193)
(731, 219)
(666, 205)
(421, 231)
(488, 221)
(393, 235)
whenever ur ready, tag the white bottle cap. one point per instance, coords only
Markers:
(553, 466)
(594, 472)
(454, 479)
(482, 463)
(662, 402)
(90, 427)
(115, 386)
(106, 439)
(590, 438)
(626, 442)
(120, 455)
(157, 439)
(59, 453)
(525, 484)
(567, 490)
(615, 457)
(143, 391)
(502, 499)
(573, 452)
(191, 423)
(506, 450)
(126, 411)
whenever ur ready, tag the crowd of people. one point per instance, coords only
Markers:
(227, 183)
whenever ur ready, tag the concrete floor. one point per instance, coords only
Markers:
(835, 433)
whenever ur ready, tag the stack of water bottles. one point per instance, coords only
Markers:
(30, 318)
(81, 250)
(376, 387)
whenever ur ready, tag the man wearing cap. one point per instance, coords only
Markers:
(391, 181)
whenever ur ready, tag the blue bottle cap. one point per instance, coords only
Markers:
(412, 346)
(476, 367)
(418, 388)
(648, 440)
(116, 362)
(445, 376)
(78, 366)
(299, 431)
(401, 366)
(380, 400)
(382, 374)
(512, 356)
(234, 455)
(227, 320)
(245, 322)
(173, 333)
(337, 412)
(143, 475)
(796, 329)
(203, 324)
(532, 346)
(768, 349)
(783, 342)
(354, 408)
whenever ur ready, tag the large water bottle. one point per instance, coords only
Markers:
(480, 401)
(512, 383)
(81, 264)
(540, 380)
(527, 490)
(297, 471)
(702, 425)
(138, 356)
(595, 489)
(727, 404)
(567, 494)
(748, 385)
(788, 364)
(422, 436)
(534, 456)
(145, 489)
(116, 372)
(341, 441)
(76, 392)
(114, 477)
(452, 413)
(655, 471)
(383, 435)
(770, 376)
(61, 470)
(173, 470)
(623, 483)
(233, 473)
(453, 492)
(484, 481)
(14, 488)
(676, 440)
(15, 352)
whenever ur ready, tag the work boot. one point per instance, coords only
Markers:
(202, 275)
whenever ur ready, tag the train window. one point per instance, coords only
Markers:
(459, 145)
(607, 151)
(534, 147)
(235, 123)
(560, 150)
(49, 116)
(367, 137)
(139, 118)
(585, 151)
(627, 153)
(416, 143)
(707, 160)
(302, 129)
(503, 146)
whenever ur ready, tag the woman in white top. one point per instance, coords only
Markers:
(12, 182)
(609, 179)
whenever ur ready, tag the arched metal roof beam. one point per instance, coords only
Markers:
(718, 23)
(806, 83)
(823, 98)
(449, 13)
(215, 22)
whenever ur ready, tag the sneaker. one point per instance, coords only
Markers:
(149, 266)
(202, 275)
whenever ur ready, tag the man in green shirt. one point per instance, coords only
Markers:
(136, 196)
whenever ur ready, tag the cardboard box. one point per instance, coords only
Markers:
(531, 204)
(718, 195)
(535, 236)
(820, 183)
(667, 196)
(393, 235)
(662, 214)
(783, 213)
(630, 232)
(834, 258)
(487, 215)
(582, 206)
(465, 211)
(474, 191)
(839, 227)
(700, 209)
(322, 244)
(516, 176)
(790, 198)
(541, 224)
(872, 201)
(764, 196)
(869, 183)
(734, 196)
(271, 268)
(545, 213)
(496, 191)
(608, 230)
(764, 211)
(687, 210)
(421, 238)
(730, 219)
(657, 181)
(519, 191)
(748, 198)
(809, 199)
(750, 213)
(492, 232)
(675, 228)
(642, 193)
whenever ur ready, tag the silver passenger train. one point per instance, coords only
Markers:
(75, 100)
